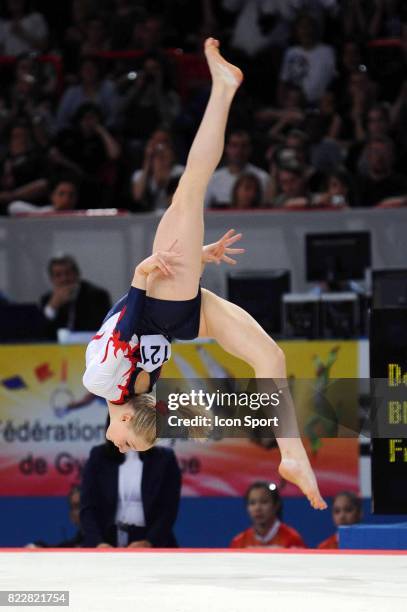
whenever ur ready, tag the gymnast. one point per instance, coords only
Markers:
(166, 302)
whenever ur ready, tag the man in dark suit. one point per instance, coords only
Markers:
(159, 491)
(73, 303)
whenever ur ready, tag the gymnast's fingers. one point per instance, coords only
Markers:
(169, 256)
(229, 260)
(235, 251)
(233, 239)
(227, 235)
(163, 266)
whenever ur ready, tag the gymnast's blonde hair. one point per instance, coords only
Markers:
(147, 421)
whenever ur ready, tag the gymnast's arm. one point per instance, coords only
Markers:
(109, 356)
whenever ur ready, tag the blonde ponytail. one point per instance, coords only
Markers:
(149, 422)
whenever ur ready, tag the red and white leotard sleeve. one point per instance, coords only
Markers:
(113, 353)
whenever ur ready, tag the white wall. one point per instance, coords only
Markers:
(107, 248)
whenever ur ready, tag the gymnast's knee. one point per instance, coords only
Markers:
(269, 353)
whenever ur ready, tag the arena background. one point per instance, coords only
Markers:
(108, 231)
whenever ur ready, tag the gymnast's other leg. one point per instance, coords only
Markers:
(238, 333)
(183, 220)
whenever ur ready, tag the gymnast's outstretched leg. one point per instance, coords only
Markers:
(183, 220)
(238, 333)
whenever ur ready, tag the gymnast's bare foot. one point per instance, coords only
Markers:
(297, 469)
(222, 72)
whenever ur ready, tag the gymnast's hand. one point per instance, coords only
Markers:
(140, 544)
(161, 260)
(217, 251)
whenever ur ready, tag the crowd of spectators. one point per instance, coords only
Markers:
(106, 96)
(116, 506)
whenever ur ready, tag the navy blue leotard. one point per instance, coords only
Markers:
(136, 336)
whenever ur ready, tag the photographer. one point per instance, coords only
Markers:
(91, 151)
(149, 184)
(150, 100)
(339, 192)
(23, 170)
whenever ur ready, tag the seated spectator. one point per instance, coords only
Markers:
(329, 118)
(149, 184)
(94, 89)
(289, 116)
(309, 65)
(92, 152)
(247, 192)
(237, 154)
(148, 34)
(96, 38)
(22, 31)
(378, 121)
(385, 21)
(320, 10)
(339, 191)
(297, 149)
(324, 151)
(360, 93)
(398, 117)
(259, 26)
(63, 196)
(350, 61)
(74, 499)
(354, 19)
(30, 93)
(388, 60)
(260, 32)
(264, 506)
(346, 510)
(150, 101)
(292, 187)
(23, 169)
(73, 303)
(75, 32)
(122, 23)
(377, 125)
(381, 185)
(130, 500)
(74, 35)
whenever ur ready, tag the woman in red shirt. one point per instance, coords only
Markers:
(263, 503)
(346, 510)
